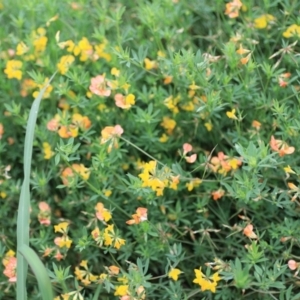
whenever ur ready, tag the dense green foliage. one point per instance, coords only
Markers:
(165, 152)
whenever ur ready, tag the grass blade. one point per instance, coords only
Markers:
(24, 201)
(39, 271)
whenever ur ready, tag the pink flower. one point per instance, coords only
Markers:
(53, 125)
(191, 159)
(99, 86)
(124, 102)
(293, 265)
(10, 269)
(110, 132)
(44, 215)
(281, 147)
(43, 206)
(187, 148)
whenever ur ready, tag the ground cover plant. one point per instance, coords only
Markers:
(165, 150)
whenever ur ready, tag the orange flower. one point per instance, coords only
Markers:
(68, 173)
(82, 121)
(245, 60)
(281, 147)
(282, 83)
(232, 8)
(223, 164)
(110, 134)
(248, 231)
(114, 270)
(292, 186)
(99, 86)
(256, 124)
(140, 216)
(1, 130)
(168, 79)
(242, 50)
(218, 194)
(53, 124)
(102, 213)
(58, 256)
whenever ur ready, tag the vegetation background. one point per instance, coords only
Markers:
(164, 158)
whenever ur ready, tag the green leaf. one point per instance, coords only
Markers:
(39, 271)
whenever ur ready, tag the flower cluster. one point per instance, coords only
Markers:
(281, 147)
(64, 240)
(140, 216)
(108, 237)
(223, 164)
(84, 275)
(58, 124)
(157, 179)
(110, 135)
(68, 174)
(10, 265)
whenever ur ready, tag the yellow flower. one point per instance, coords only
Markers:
(47, 150)
(231, 114)
(234, 163)
(51, 20)
(288, 169)
(150, 64)
(69, 44)
(208, 126)
(163, 138)
(122, 290)
(61, 227)
(100, 51)
(114, 71)
(12, 69)
(125, 87)
(82, 171)
(39, 40)
(193, 183)
(161, 54)
(171, 103)
(206, 284)
(188, 106)
(64, 63)
(263, 21)
(102, 213)
(168, 124)
(174, 273)
(193, 86)
(293, 30)
(21, 49)
(130, 100)
(107, 193)
(85, 49)
(119, 243)
(41, 86)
